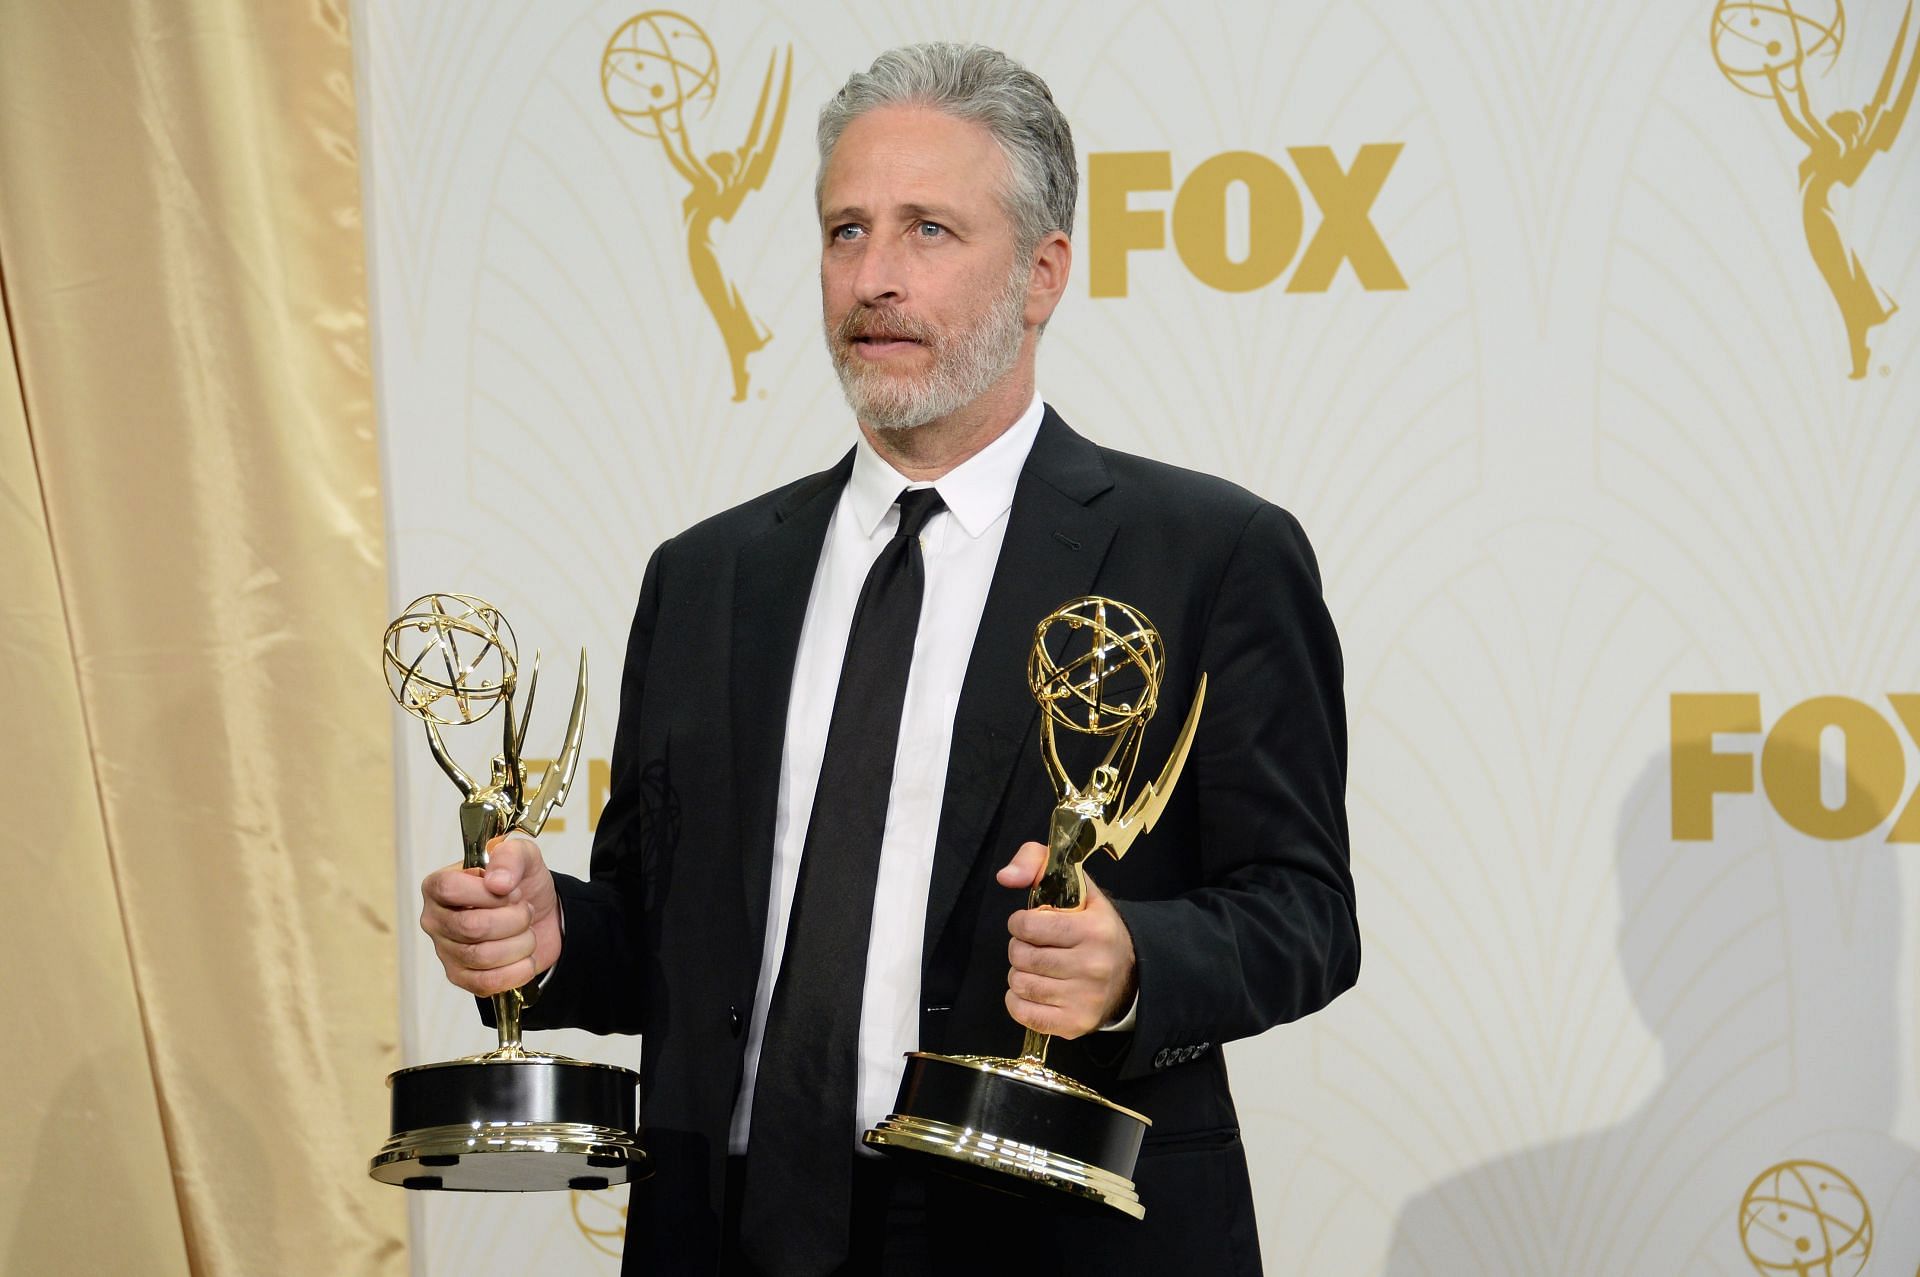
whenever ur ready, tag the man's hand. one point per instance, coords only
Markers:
(495, 930)
(1069, 973)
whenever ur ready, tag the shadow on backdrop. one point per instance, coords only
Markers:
(1763, 962)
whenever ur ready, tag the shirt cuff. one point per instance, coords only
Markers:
(1124, 1023)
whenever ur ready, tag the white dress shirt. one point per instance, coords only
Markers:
(960, 547)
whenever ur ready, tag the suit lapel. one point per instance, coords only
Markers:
(773, 582)
(1052, 552)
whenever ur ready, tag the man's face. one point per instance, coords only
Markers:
(921, 297)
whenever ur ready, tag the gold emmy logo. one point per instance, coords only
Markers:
(657, 67)
(1764, 48)
(1807, 1219)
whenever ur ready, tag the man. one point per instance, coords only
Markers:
(826, 779)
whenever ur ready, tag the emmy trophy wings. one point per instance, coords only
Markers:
(559, 775)
(756, 157)
(1146, 809)
(516, 735)
(1883, 122)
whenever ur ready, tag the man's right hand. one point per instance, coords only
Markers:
(496, 930)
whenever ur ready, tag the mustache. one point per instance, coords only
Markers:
(881, 321)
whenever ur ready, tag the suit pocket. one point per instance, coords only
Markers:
(1200, 1216)
(1207, 1140)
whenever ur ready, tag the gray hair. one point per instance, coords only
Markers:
(973, 82)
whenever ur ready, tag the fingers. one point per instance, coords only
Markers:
(1068, 973)
(1047, 926)
(515, 873)
(483, 951)
(1043, 992)
(455, 888)
(1025, 866)
(485, 956)
(1078, 962)
(1050, 928)
(1045, 1018)
(496, 930)
(1060, 976)
(474, 925)
(484, 983)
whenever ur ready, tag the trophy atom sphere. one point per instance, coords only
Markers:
(657, 63)
(1752, 36)
(1095, 666)
(450, 648)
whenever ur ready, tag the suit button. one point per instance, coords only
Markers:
(735, 1020)
(1160, 1059)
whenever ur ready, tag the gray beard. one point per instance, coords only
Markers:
(965, 366)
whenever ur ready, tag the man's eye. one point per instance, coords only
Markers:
(846, 232)
(930, 230)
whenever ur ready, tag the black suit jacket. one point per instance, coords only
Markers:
(1240, 902)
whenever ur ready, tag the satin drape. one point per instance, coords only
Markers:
(201, 979)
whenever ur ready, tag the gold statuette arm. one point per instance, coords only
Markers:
(454, 771)
(1785, 107)
(680, 153)
(559, 777)
(1063, 786)
(1146, 809)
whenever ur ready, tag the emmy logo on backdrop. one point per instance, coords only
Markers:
(1764, 47)
(657, 67)
(1803, 1218)
(1095, 668)
(508, 1120)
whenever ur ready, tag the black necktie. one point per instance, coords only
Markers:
(794, 1216)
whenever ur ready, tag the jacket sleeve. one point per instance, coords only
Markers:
(593, 986)
(1271, 934)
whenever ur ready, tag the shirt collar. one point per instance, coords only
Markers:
(977, 491)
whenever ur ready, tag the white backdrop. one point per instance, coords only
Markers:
(1598, 457)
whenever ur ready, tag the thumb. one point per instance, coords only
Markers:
(1025, 866)
(508, 859)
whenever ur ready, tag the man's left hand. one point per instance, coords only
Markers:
(1069, 973)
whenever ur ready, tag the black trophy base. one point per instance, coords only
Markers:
(520, 1123)
(1017, 1126)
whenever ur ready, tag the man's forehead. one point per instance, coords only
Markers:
(893, 156)
(900, 209)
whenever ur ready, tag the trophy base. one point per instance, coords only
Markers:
(1016, 1126)
(512, 1122)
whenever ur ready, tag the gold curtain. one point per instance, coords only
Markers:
(201, 978)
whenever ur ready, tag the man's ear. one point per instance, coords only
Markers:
(1052, 264)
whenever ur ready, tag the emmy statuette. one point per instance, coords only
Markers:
(1015, 1124)
(508, 1120)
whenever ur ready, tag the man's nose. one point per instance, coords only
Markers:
(881, 276)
